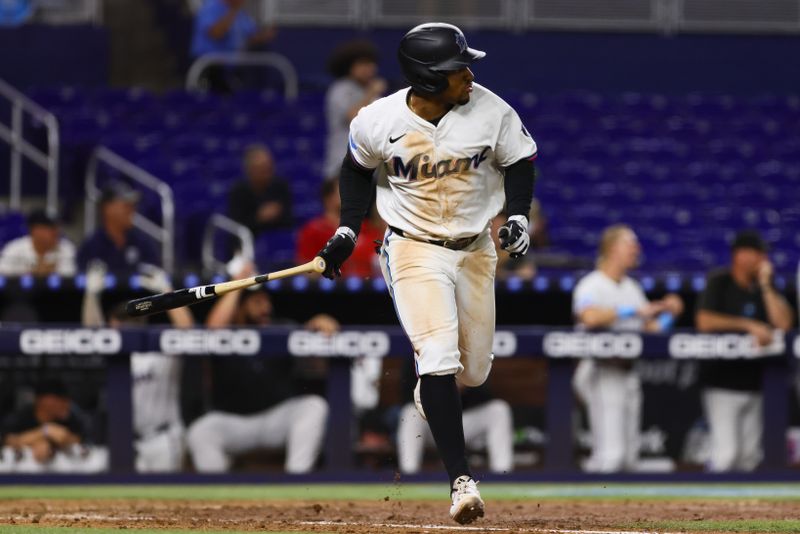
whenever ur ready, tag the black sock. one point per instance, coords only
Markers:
(442, 405)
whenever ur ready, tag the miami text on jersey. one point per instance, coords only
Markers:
(421, 165)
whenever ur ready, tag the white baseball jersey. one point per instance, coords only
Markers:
(156, 391)
(597, 289)
(612, 394)
(440, 181)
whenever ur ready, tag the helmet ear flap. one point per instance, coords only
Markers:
(430, 81)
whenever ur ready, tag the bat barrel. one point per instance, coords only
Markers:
(168, 301)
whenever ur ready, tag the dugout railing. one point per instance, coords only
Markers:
(559, 348)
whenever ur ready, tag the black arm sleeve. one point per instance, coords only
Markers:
(518, 185)
(355, 190)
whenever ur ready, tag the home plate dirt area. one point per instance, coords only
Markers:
(390, 511)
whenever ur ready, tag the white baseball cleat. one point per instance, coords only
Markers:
(467, 503)
(418, 400)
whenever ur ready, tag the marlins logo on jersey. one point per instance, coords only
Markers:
(440, 181)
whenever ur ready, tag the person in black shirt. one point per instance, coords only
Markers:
(262, 201)
(50, 424)
(739, 299)
(117, 244)
(257, 402)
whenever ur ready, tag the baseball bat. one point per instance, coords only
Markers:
(193, 295)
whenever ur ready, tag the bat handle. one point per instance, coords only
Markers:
(318, 264)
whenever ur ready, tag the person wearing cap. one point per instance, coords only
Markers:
(50, 424)
(354, 64)
(42, 252)
(740, 298)
(120, 246)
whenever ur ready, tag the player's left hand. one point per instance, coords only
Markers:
(514, 236)
(336, 251)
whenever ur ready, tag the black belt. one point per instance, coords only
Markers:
(452, 244)
(160, 429)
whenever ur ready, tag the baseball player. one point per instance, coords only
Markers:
(157, 421)
(449, 154)
(607, 298)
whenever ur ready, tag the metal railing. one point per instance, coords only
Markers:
(316, 12)
(664, 16)
(259, 59)
(164, 233)
(70, 11)
(220, 222)
(13, 134)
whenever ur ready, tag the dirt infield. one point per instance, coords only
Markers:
(381, 516)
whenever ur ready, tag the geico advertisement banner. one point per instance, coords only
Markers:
(723, 346)
(216, 342)
(352, 344)
(70, 341)
(595, 345)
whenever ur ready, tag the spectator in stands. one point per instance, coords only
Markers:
(157, 423)
(225, 26)
(42, 252)
(488, 424)
(262, 201)
(316, 232)
(52, 424)
(540, 236)
(119, 245)
(355, 66)
(739, 299)
(15, 12)
(257, 402)
(608, 298)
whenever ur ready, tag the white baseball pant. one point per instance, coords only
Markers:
(488, 426)
(613, 398)
(162, 452)
(297, 424)
(445, 302)
(736, 420)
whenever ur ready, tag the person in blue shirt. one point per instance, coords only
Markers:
(120, 246)
(15, 12)
(225, 26)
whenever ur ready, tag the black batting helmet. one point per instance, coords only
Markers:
(429, 51)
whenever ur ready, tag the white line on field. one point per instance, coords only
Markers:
(104, 517)
(399, 525)
(479, 529)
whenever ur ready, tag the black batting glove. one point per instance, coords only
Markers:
(514, 236)
(336, 251)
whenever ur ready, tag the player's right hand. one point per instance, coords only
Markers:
(336, 251)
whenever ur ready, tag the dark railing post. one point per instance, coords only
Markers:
(559, 449)
(120, 413)
(338, 440)
(776, 412)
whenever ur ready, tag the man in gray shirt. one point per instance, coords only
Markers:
(355, 66)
